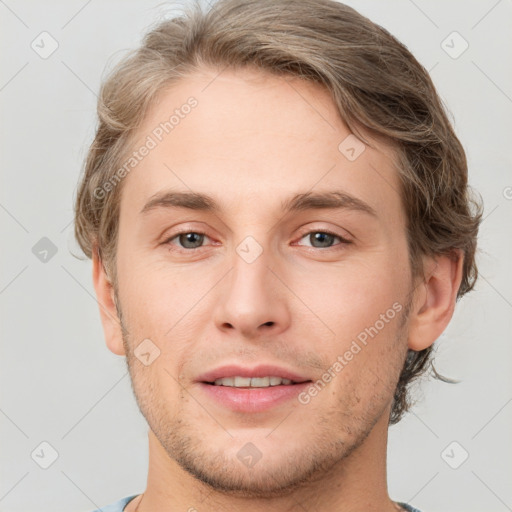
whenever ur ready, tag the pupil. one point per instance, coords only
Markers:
(322, 237)
(187, 238)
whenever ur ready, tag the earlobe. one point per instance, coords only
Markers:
(108, 312)
(435, 300)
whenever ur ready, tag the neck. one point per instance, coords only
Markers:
(356, 483)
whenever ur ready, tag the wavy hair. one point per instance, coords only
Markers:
(377, 85)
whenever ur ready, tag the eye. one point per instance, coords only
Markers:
(191, 240)
(323, 239)
(187, 240)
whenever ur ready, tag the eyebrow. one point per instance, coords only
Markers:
(299, 202)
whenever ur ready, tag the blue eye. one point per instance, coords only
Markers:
(325, 239)
(189, 239)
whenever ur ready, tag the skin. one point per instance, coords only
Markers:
(253, 141)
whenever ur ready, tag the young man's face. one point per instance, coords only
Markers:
(264, 286)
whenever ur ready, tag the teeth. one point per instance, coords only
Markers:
(242, 382)
(254, 382)
(260, 382)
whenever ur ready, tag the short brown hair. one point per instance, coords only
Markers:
(377, 85)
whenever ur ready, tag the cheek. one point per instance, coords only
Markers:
(363, 309)
(169, 308)
(350, 299)
(156, 295)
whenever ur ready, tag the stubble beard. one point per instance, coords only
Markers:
(273, 476)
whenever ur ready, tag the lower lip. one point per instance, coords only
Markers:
(252, 399)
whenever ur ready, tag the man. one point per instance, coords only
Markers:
(277, 211)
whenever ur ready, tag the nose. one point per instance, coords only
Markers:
(252, 301)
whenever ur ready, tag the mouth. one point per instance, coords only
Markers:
(254, 382)
(252, 390)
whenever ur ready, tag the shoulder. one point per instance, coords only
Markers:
(118, 506)
(407, 507)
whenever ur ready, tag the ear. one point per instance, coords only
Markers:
(435, 300)
(108, 312)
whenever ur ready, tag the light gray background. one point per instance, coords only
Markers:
(60, 384)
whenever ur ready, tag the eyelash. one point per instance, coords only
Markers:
(343, 241)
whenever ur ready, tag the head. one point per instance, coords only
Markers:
(263, 120)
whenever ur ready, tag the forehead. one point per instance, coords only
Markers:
(252, 140)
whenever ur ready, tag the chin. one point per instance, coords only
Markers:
(281, 478)
(254, 466)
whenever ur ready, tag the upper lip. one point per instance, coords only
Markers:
(257, 371)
